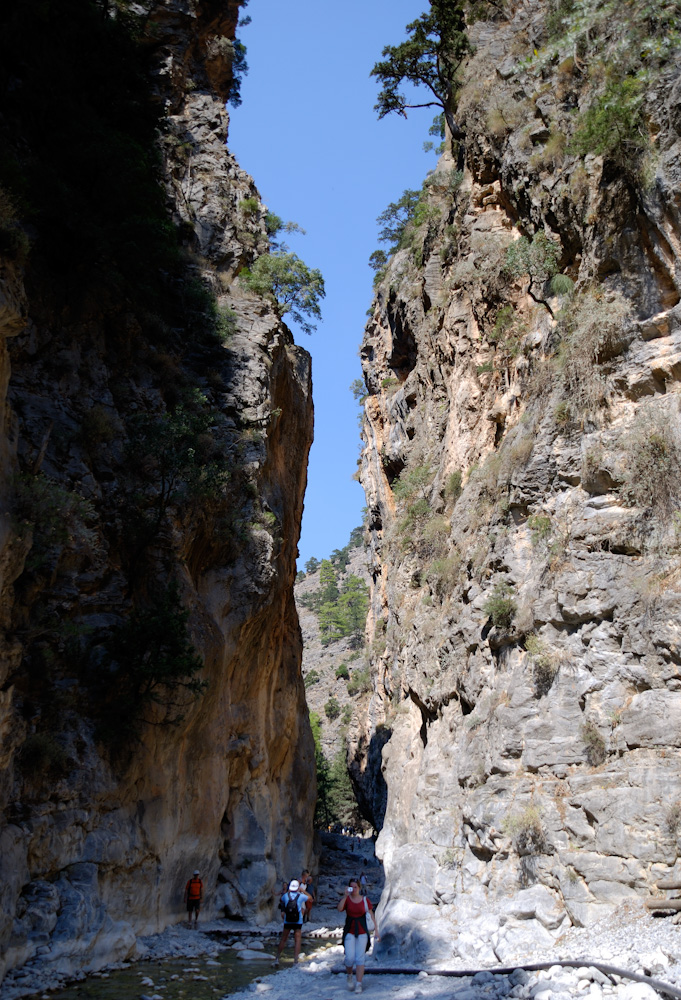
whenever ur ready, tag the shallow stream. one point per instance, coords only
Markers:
(202, 978)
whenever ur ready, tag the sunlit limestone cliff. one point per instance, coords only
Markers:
(522, 465)
(156, 420)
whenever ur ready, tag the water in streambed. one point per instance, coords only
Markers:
(202, 978)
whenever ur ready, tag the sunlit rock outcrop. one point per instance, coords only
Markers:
(522, 465)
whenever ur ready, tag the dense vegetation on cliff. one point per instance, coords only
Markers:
(332, 598)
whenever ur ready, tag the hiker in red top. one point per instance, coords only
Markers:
(356, 931)
(193, 897)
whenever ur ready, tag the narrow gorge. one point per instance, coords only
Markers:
(508, 718)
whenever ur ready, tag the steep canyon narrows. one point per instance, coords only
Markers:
(522, 465)
(157, 418)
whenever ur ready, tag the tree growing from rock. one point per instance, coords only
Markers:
(436, 46)
(290, 285)
(329, 581)
(342, 801)
(346, 616)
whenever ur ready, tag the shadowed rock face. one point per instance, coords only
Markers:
(523, 552)
(97, 840)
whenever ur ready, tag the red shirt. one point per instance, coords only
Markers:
(355, 911)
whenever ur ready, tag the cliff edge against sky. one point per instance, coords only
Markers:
(157, 418)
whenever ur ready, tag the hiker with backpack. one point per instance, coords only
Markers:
(193, 897)
(359, 920)
(292, 906)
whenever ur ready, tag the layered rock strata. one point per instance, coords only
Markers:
(522, 446)
(98, 838)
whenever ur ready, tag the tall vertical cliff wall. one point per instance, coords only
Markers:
(522, 464)
(156, 425)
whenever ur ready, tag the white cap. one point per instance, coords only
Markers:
(294, 885)
(196, 872)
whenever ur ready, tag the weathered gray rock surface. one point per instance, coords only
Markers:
(522, 473)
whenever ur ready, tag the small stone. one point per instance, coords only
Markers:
(518, 977)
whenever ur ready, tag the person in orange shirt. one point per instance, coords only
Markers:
(193, 897)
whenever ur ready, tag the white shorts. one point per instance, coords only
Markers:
(355, 949)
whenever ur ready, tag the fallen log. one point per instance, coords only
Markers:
(657, 903)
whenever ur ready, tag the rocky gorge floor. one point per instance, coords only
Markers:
(630, 939)
(207, 968)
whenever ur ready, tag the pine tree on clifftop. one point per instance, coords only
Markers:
(430, 57)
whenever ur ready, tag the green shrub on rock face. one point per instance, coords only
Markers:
(653, 468)
(500, 606)
(177, 464)
(594, 742)
(289, 284)
(526, 830)
(153, 667)
(541, 527)
(56, 516)
(544, 664)
(443, 574)
(40, 756)
(332, 709)
(249, 206)
(98, 426)
(613, 126)
(453, 486)
(411, 482)
(417, 513)
(360, 682)
(225, 324)
(673, 819)
(538, 258)
(561, 284)
(592, 331)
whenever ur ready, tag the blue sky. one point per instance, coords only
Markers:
(308, 134)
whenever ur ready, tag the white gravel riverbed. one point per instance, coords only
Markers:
(630, 939)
